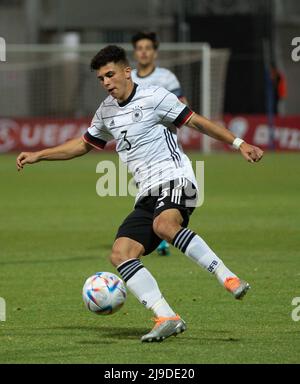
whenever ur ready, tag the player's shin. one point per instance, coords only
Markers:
(196, 249)
(143, 285)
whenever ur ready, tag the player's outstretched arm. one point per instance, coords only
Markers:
(201, 124)
(69, 150)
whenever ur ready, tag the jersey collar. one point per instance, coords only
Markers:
(144, 77)
(130, 96)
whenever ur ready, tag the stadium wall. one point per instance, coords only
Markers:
(35, 134)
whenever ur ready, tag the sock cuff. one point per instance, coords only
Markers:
(129, 268)
(183, 239)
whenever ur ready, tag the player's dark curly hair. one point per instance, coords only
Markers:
(109, 54)
(145, 35)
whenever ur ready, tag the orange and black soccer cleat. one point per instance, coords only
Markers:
(237, 287)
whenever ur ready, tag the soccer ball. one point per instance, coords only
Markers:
(104, 293)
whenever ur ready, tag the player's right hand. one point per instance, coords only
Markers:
(251, 153)
(26, 158)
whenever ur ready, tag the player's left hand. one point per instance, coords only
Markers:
(251, 153)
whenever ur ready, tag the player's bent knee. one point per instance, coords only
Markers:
(116, 257)
(164, 228)
(158, 228)
(125, 249)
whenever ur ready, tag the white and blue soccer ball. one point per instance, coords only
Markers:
(104, 293)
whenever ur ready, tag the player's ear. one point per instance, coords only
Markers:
(127, 71)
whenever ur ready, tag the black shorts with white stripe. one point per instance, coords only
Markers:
(178, 194)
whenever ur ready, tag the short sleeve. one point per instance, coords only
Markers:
(169, 109)
(97, 134)
(173, 85)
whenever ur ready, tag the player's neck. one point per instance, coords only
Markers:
(128, 94)
(145, 70)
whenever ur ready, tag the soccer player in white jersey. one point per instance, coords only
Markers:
(141, 120)
(147, 72)
(145, 47)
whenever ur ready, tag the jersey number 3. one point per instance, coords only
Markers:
(125, 139)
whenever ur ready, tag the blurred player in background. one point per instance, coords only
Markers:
(148, 73)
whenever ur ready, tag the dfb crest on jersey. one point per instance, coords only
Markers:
(137, 114)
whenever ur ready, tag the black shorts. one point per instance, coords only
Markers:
(178, 194)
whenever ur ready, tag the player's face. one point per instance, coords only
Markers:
(144, 52)
(115, 79)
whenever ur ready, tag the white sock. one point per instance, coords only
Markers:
(142, 284)
(223, 273)
(196, 249)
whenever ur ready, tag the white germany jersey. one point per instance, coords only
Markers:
(144, 127)
(161, 77)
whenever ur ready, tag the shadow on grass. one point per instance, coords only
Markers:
(92, 335)
(105, 332)
(209, 340)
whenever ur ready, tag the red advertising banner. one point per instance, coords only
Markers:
(283, 135)
(36, 134)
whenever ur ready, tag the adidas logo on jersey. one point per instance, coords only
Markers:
(112, 123)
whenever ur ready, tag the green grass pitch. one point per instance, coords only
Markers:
(55, 232)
